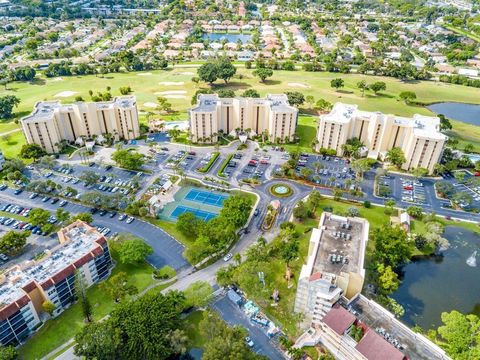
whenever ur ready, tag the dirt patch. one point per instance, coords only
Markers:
(172, 83)
(65, 94)
(150, 105)
(175, 97)
(145, 74)
(298, 85)
(172, 92)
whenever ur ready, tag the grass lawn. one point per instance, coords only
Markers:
(306, 130)
(146, 87)
(11, 144)
(57, 331)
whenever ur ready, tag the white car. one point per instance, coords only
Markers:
(130, 220)
(249, 341)
(227, 257)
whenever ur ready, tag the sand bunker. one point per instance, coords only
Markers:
(150, 105)
(172, 83)
(300, 85)
(145, 74)
(173, 92)
(186, 73)
(175, 97)
(65, 94)
(56, 79)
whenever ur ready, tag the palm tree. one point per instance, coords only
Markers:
(317, 165)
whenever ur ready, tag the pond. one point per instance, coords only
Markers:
(467, 113)
(218, 37)
(437, 284)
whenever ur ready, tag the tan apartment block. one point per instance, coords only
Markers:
(334, 267)
(271, 116)
(51, 122)
(419, 137)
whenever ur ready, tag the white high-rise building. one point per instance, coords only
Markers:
(272, 116)
(419, 137)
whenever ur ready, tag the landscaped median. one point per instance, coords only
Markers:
(224, 165)
(208, 165)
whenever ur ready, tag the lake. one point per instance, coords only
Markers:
(218, 37)
(434, 285)
(467, 113)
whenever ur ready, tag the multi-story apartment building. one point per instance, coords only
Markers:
(26, 286)
(271, 116)
(334, 266)
(51, 122)
(419, 137)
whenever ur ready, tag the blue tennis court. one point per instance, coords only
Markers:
(205, 197)
(204, 215)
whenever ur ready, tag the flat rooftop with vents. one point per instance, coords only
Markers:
(76, 241)
(341, 245)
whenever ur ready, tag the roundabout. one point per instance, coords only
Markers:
(280, 190)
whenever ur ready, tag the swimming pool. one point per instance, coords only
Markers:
(205, 197)
(204, 215)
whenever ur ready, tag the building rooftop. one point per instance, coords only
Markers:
(374, 347)
(341, 245)
(339, 319)
(77, 241)
(423, 126)
(209, 102)
(379, 321)
(44, 110)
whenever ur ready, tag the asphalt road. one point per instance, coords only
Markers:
(167, 250)
(233, 315)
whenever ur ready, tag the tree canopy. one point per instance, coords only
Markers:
(128, 159)
(223, 341)
(132, 250)
(139, 329)
(391, 246)
(32, 151)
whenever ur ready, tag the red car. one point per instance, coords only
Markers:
(409, 187)
(477, 174)
(265, 162)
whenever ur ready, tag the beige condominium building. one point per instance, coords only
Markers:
(25, 287)
(271, 116)
(419, 137)
(51, 122)
(334, 266)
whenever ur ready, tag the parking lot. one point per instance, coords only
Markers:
(255, 167)
(233, 315)
(111, 179)
(167, 251)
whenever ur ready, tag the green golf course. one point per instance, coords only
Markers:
(176, 85)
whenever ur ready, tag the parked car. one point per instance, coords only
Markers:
(130, 220)
(249, 341)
